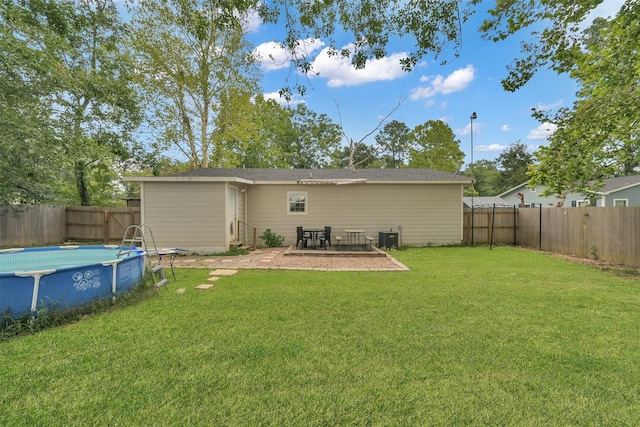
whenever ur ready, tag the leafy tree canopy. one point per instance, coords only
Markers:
(434, 146)
(514, 162)
(598, 137)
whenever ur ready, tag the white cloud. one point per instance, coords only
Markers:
(547, 107)
(477, 128)
(274, 56)
(542, 132)
(506, 128)
(454, 82)
(341, 72)
(606, 9)
(295, 99)
(491, 147)
(251, 21)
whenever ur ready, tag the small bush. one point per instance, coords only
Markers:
(272, 240)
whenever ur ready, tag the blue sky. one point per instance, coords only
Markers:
(432, 91)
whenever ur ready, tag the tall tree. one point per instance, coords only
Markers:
(515, 162)
(487, 179)
(393, 141)
(599, 136)
(191, 56)
(361, 154)
(73, 69)
(317, 137)
(434, 146)
(98, 109)
(30, 164)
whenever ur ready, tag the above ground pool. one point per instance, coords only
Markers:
(65, 277)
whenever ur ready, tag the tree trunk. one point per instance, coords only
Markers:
(83, 192)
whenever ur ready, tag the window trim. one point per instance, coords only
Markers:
(583, 203)
(305, 194)
(626, 203)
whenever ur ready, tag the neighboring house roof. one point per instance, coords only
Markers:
(612, 185)
(486, 202)
(313, 176)
(524, 184)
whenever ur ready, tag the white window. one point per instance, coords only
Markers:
(620, 202)
(534, 189)
(583, 203)
(297, 202)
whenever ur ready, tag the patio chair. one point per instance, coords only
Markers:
(325, 238)
(301, 237)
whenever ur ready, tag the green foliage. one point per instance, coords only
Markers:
(515, 162)
(393, 141)
(598, 137)
(191, 58)
(434, 146)
(432, 25)
(553, 46)
(488, 179)
(75, 111)
(271, 239)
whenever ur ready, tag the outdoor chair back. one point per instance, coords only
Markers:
(325, 238)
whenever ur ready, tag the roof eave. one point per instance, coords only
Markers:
(187, 179)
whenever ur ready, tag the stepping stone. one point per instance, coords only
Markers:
(181, 291)
(204, 287)
(222, 272)
(266, 260)
(213, 278)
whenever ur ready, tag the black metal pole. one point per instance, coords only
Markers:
(493, 224)
(472, 215)
(515, 226)
(540, 229)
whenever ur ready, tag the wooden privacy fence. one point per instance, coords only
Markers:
(490, 225)
(26, 225)
(23, 225)
(96, 223)
(607, 234)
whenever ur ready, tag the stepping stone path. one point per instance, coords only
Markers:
(269, 257)
(215, 275)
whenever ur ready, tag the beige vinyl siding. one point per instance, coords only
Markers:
(187, 215)
(428, 213)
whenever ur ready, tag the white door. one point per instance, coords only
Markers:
(232, 212)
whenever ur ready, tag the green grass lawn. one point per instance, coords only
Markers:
(470, 336)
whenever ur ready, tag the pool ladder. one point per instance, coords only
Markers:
(142, 238)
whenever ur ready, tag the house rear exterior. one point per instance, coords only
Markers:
(207, 210)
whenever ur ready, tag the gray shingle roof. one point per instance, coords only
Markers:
(613, 184)
(298, 174)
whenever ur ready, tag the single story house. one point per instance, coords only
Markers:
(621, 191)
(208, 210)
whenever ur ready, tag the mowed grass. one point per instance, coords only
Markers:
(470, 336)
